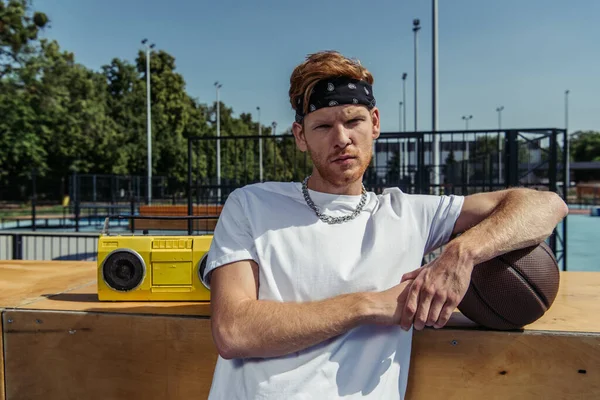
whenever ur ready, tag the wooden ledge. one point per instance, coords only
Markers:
(71, 286)
(123, 350)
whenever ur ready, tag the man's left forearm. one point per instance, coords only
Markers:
(501, 222)
(523, 218)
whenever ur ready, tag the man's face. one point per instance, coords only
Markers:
(339, 141)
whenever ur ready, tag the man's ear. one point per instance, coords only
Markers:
(376, 122)
(298, 131)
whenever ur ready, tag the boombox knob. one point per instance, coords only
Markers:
(123, 270)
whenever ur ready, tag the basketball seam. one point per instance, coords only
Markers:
(476, 291)
(548, 250)
(533, 287)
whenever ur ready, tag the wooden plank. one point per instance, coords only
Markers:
(69, 285)
(23, 282)
(459, 364)
(2, 390)
(85, 298)
(177, 225)
(180, 210)
(175, 210)
(70, 355)
(575, 309)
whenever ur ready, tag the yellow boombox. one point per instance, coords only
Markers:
(152, 268)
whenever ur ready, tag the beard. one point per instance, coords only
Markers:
(340, 176)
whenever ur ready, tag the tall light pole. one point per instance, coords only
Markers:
(567, 145)
(466, 119)
(401, 153)
(273, 133)
(260, 155)
(404, 75)
(217, 87)
(466, 155)
(434, 97)
(499, 110)
(416, 28)
(400, 116)
(149, 118)
(404, 145)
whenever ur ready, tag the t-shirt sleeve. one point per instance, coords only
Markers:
(436, 216)
(232, 239)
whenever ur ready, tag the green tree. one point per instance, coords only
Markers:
(19, 29)
(21, 150)
(170, 114)
(126, 101)
(72, 120)
(59, 117)
(585, 146)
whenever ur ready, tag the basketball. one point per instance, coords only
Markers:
(512, 290)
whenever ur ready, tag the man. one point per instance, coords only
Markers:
(316, 286)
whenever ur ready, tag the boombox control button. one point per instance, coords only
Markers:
(172, 244)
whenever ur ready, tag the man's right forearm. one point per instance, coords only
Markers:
(262, 328)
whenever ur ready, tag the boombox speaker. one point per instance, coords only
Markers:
(152, 268)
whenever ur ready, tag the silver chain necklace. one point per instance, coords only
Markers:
(326, 218)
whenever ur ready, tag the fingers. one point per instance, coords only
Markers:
(410, 307)
(446, 312)
(411, 275)
(432, 296)
(439, 300)
(425, 297)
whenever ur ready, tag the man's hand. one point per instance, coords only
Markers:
(436, 290)
(386, 306)
(490, 224)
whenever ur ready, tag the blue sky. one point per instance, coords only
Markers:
(522, 54)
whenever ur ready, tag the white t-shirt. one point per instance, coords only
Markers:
(301, 258)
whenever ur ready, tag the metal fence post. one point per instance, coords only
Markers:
(421, 164)
(189, 184)
(511, 160)
(17, 247)
(132, 220)
(552, 184)
(33, 198)
(76, 200)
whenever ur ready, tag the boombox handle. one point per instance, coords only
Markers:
(105, 227)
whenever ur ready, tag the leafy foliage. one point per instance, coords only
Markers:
(585, 146)
(59, 117)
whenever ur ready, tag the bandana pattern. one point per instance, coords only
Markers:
(334, 92)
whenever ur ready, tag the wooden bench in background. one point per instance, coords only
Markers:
(59, 342)
(178, 211)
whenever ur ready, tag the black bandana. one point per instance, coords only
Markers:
(334, 92)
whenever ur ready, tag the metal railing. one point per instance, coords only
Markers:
(48, 246)
(81, 246)
(469, 162)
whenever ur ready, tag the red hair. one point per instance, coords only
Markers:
(323, 65)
